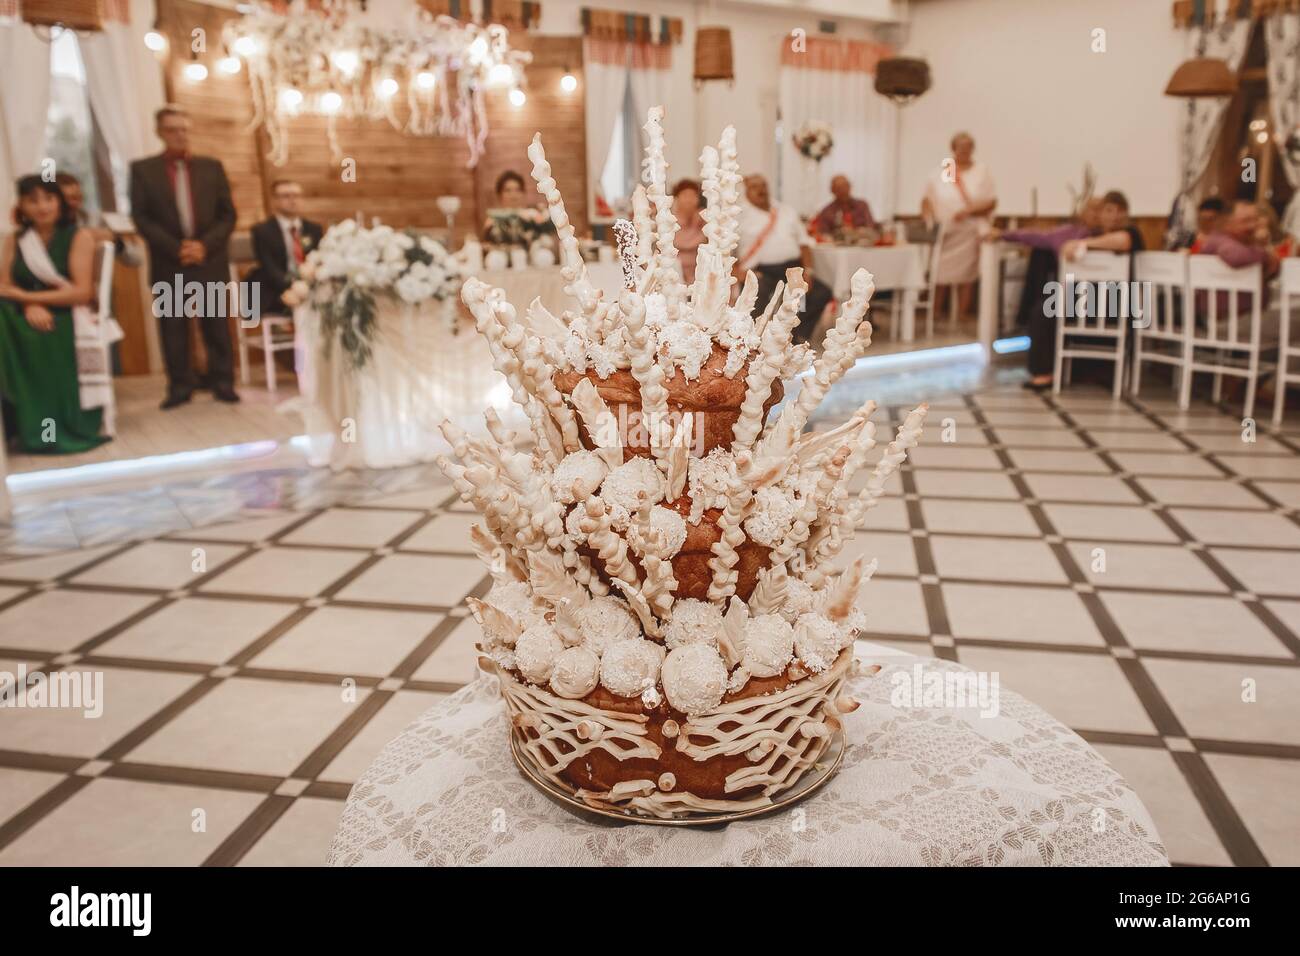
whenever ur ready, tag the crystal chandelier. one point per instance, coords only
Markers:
(331, 64)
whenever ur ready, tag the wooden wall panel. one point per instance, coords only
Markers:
(398, 176)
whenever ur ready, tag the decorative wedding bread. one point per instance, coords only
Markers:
(670, 636)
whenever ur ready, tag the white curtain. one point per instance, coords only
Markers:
(124, 83)
(864, 127)
(1227, 41)
(605, 76)
(655, 83)
(24, 105)
(1283, 34)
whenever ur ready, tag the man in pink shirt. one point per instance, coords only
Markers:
(1242, 241)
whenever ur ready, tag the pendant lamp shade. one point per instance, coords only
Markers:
(1202, 76)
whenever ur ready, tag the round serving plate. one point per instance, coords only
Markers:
(825, 767)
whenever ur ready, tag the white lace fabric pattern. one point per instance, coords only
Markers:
(918, 787)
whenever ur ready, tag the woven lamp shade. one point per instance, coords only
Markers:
(902, 78)
(1202, 77)
(713, 54)
(74, 14)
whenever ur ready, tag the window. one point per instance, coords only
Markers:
(623, 165)
(70, 136)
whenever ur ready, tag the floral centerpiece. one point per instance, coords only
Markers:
(814, 140)
(353, 267)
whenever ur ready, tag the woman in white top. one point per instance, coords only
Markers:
(961, 196)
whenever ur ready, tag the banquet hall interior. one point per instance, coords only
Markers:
(234, 349)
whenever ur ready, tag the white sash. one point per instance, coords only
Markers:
(94, 376)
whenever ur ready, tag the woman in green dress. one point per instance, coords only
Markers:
(38, 360)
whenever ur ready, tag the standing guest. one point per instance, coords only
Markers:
(45, 273)
(960, 197)
(182, 207)
(127, 253)
(281, 244)
(687, 203)
(844, 211)
(772, 240)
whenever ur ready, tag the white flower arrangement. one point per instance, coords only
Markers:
(814, 140)
(354, 265)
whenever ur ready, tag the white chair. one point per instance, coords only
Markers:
(1290, 285)
(276, 329)
(1108, 272)
(1230, 346)
(931, 237)
(108, 328)
(1165, 334)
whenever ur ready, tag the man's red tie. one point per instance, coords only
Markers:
(298, 255)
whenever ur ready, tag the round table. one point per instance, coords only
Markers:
(899, 268)
(919, 786)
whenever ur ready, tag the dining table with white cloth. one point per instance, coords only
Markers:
(899, 268)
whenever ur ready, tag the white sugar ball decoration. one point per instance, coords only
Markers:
(536, 651)
(622, 486)
(773, 513)
(769, 645)
(671, 526)
(629, 668)
(798, 599)
(576, 673)
(695, 678)
(605, 620)
(585, 469)
(816, 641)
(693, 622)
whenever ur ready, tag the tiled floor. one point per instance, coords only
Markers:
(1133, 569)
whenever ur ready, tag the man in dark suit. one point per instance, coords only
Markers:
(281, 243)
(182, 207)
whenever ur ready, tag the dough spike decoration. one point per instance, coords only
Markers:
(670, 604)
(573, 267)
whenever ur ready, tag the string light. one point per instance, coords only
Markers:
(425, 80)
(155, 41)
(517, 97)
(195, 72)
(346, 61)
(388, 87)
(290, 98)
(501, 75)
(568, 82)
(245, 46)
(331, 102)
(229, 64)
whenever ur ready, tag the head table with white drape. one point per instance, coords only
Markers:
(385, 413)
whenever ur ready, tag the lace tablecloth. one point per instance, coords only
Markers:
(918, 786)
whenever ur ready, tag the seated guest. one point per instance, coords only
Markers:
(1241, 242)
(45, 273)
(1041, 269)
(1209, 217)
(281, 244)
(517, 223)
(772, 240)
(843, 211)
(128, 253)
(687, 203)
(1115, 233)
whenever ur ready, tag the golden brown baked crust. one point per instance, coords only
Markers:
(713, 397)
